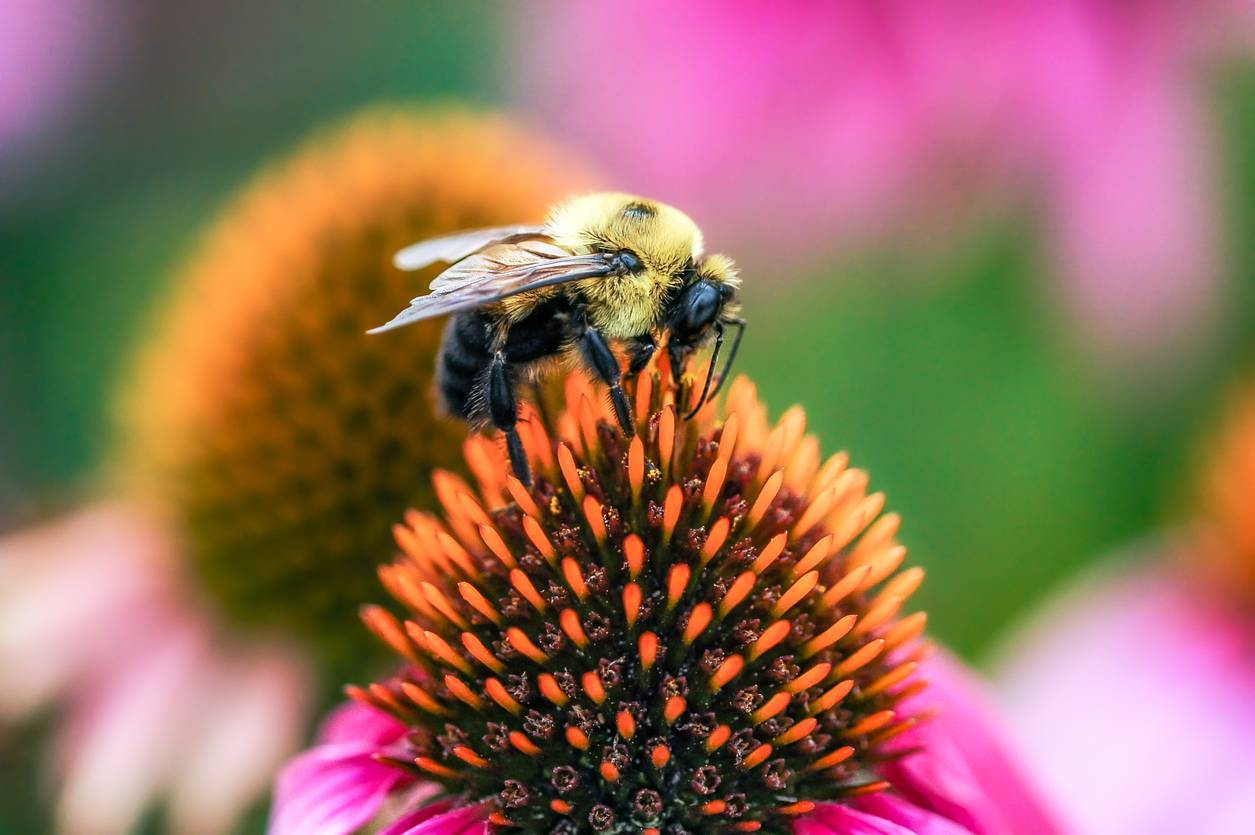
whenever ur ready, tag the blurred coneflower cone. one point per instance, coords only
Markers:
(281, 439)
(267, 444)
(694, 630)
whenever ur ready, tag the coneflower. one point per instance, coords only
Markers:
(281, 438)
(266, 445)
(698, 629)
(1174, 619)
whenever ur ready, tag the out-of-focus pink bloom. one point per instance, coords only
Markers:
(92, 616)
(793, 127)
(1106, 103)
(790, 123)
(1136, 698)
(960, 780)
(1137, 690)
(49, 52)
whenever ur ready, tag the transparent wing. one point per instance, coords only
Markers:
(495, 274)
(452, 248)
(497, 257)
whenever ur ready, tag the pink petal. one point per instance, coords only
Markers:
(900, 811)
(836, 819)
(1123, 654)
(966, 770)
(461, 821)
(407, 822)
(331, 790)
(122, 744)
(1233, 809)
(92, 615)
(249, 720)
(1134, 223)
(77, 596)
(356, 722)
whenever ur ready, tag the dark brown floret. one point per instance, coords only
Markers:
(601, 817)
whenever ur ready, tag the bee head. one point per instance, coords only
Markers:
(705, 307)
(707, 296)
(652, 238)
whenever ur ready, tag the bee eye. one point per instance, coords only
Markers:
(699, 306)
(627, 261)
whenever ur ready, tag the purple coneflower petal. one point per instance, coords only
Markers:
(331, 789)
(250, 719)
(902, 812)
(1094, 677)
(966, 771)
(77, 596)
(355, 722)
(337, 786)
(405, 823)
(834, 819)
(123, 743)
(465, 819)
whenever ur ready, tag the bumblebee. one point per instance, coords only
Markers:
(604, 269)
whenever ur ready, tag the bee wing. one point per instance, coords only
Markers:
(453, 248)
(495, 274)
(497, 257)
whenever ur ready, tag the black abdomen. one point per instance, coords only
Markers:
(464, 355)
(467, 351)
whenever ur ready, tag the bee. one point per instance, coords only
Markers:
(604, 269)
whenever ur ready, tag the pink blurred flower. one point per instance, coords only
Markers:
(50, 52)
(1107, 103)
(796, 127)
(1136, 698)
(714, 106)
(93, 617)
(960, 779)
(1140, 683)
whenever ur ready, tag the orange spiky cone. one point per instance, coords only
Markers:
(698, 627)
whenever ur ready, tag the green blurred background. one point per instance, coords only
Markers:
(1013, 457)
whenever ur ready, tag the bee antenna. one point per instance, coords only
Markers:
(739, 324)
(710, 372)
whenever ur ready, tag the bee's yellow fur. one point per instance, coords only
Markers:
(665, 239)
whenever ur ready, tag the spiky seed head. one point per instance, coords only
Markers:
(697, 629)
(278, 436)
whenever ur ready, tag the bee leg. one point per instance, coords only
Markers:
(605, 365)
(503, 409)
(640, 353)
(678, 356)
